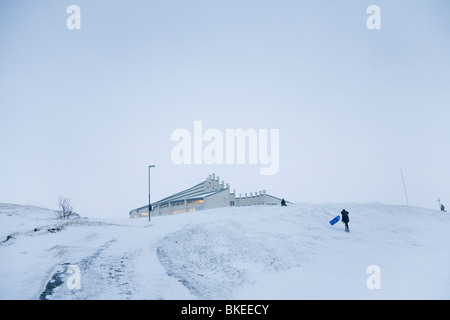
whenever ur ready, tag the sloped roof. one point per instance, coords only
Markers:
(199, 190)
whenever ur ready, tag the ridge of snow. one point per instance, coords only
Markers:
(257, 252)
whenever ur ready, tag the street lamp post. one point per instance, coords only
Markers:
(149, 203)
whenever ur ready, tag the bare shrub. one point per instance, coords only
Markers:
(65, 208)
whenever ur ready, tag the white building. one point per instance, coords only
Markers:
(208, 194)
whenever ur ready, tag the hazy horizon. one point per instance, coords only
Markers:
(85, 111)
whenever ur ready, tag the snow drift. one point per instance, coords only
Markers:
(259, 252)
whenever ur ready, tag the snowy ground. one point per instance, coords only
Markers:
(232, 253)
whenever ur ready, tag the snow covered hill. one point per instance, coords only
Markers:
(232, 253)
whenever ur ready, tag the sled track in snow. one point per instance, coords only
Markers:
(100, 273)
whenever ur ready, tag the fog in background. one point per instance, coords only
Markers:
(84, 112)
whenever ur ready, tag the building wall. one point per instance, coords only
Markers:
(271, 200)
(218, 200)
(139, 213)
(257, 198)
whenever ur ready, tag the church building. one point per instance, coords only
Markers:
(208, 194)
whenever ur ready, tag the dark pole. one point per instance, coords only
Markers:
(149, 203)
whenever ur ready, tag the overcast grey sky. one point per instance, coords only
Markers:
(84, 112)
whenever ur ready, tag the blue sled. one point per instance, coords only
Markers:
(336, 219)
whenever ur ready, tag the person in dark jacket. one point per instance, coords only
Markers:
(283, 203)
(345, 219)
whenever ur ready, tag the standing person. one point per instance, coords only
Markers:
(345, 219)
(443, 208)
(283, 203)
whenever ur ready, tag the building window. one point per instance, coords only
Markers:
(195, 201)
(177, 203)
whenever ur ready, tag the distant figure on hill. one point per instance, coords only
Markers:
(345, 219)
(283, 203)
(443, 208)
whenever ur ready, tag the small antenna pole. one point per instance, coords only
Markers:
(404, 188)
